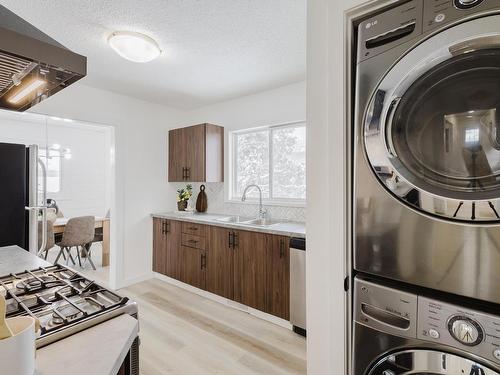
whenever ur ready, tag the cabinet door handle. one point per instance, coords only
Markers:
(167, 227)
(188, 173)
(230, 243)
(203, 261)
(282, 248)
(163, 227)
(236, 241)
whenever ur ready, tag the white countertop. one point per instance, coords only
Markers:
(98, 350)
(285, 228)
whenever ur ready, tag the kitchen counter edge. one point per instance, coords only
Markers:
(285, 228)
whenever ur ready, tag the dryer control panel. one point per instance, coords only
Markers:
(438, 13)
(414, 19)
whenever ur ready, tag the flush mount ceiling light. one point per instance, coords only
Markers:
(133, 46)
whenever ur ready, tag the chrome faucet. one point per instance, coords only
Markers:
(262, 211)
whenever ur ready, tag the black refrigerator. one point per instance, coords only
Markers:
(22, 197)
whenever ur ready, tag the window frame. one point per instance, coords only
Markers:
(233, 152)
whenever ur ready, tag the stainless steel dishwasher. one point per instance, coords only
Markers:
(298, 285)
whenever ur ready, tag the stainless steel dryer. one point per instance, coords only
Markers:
(400, 333)
(427, 146)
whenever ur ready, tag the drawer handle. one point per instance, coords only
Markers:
(192, 241)
(193, 228)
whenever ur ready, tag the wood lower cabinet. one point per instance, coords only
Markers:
(220, 262)
(251, 268)
(278, 276)
(250, 258)
(159, 246)
(193, 266)
(166, 243)
(173, 267)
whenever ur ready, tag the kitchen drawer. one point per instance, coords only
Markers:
(192, 228)
(191, 240)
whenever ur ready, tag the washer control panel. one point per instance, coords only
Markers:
(470, 330)
(399, 313)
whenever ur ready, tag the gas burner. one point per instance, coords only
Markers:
(65, 312)
(34, 283)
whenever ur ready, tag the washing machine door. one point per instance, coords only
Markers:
(432, 128)
(428, 362)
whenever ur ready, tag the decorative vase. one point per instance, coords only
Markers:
(182, 205)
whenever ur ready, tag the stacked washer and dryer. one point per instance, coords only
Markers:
(426, 190)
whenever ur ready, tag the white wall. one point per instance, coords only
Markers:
(272, 107)
(326, 184)
(140, 130)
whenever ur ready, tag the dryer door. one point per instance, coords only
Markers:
(428, 362)
(432, 129)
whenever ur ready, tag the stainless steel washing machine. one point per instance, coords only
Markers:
(427, 146)
(397, 332)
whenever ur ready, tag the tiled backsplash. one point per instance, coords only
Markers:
(217, 205)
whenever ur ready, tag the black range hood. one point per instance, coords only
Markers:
(33, 66)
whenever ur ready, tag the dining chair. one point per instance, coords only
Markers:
(79, 232)
(50, 239)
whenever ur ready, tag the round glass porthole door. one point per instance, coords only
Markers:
(432, 128)
(427, 362)
(446, 128)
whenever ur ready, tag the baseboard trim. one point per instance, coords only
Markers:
(224, 301)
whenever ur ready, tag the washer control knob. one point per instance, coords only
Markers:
(465, 330)
(467, 4)
(433, 333)
(496, 353)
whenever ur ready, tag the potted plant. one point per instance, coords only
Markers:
(183, 196)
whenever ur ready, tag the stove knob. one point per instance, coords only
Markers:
(465, 330)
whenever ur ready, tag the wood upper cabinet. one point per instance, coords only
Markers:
(196, 154)
(166, 242)
(250, 259)
(220, 262)
(278, 276)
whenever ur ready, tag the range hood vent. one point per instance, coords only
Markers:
(33, 66)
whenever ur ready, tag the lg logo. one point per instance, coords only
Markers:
(370, 24)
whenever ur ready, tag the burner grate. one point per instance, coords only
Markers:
(57, 297)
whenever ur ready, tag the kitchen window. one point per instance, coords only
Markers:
(272, 157)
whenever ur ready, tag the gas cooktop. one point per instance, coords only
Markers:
(63, 301)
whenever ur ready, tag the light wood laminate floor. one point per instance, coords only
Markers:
(186, 334)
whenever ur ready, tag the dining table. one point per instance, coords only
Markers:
(100, 222)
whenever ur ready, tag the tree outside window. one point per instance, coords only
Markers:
(273, 158)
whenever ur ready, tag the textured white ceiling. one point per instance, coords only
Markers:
(213, 50)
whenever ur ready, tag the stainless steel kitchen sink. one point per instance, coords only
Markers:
(247, 221)
(261, 222)
(234, 219)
